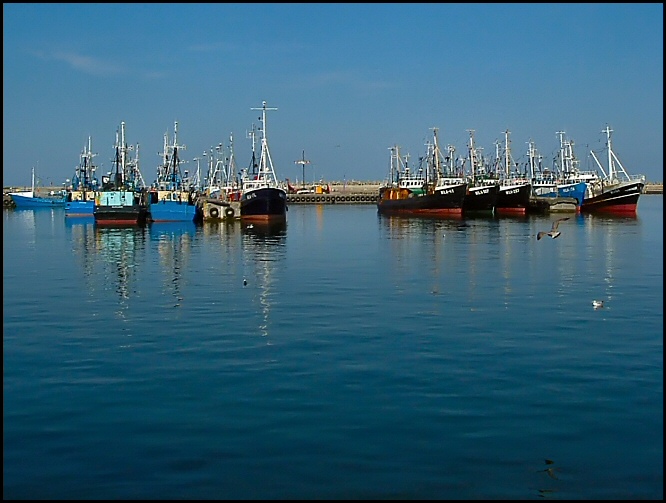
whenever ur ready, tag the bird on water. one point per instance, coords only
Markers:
(598, 304)
(553, 232)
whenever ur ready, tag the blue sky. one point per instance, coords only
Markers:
(348, 80)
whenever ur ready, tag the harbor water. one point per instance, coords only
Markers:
(345, 355)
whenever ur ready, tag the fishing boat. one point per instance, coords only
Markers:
(435, 190)
(515, 189)
(482, 189)
(616, 191)
(402, 179)
(544, 181)
(572, 182)
(28, 199)
(219, 198)
(262, 197)
(80, 197)
(170, 198)
(122, 200)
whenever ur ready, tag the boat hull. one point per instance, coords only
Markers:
(448, 201)
(172, 211)
(514, 199)
(80, 209)
(481, 199)
(264, 204)
(619, 199)
(575, 190)
(29, 202)
(119, 208)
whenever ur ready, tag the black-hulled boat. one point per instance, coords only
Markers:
(481, 197)
(513, 196)
(262, 197)
(123, 198)
(482, 190)
(414, 194)
(515, 189)
(612, 194)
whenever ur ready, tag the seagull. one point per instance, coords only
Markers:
(553, 233)
(598, 304)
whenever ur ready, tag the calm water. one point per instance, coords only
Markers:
(366, 357)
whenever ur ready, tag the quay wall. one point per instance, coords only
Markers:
(349, 193)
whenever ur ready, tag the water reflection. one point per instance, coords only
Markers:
(84, 244)
(503, 252)
(120, 250)
(263, 247)
(30, 218)
(175, 241)
(610, 238)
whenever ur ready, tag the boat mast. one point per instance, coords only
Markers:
(507, 155)
(472, 155)
(612, 172)
(451, 149)
(563, 167)
(90, 168)
(266, 171)
(252, 134)
(438, 172)
(123, 154)
(531, 155)
(163, 170)
(175, 176)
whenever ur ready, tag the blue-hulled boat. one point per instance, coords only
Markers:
(172, 198)
(572, 182)
(80, 198)
(572, 189)
(27, 199)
